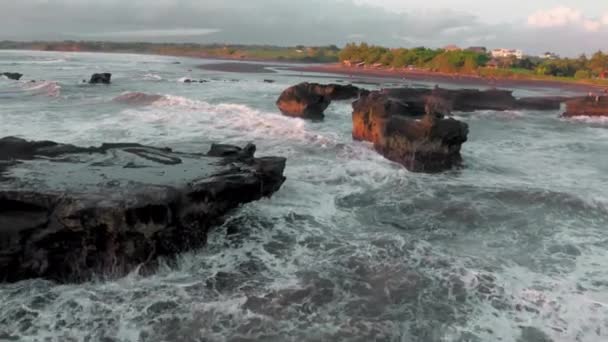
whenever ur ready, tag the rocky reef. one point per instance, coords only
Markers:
(468, 100)
(103, 78)
(69, 213)
(587, 106)
(310, 100)
(12, 75)
(421, 140)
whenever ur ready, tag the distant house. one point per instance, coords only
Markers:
(477, 49)
(506, 53)
(549, 55)
(451, 47)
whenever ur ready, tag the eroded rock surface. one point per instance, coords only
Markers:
(68, 213)
(310, 100)
(468, 100)
(595, 106)
(422, 142)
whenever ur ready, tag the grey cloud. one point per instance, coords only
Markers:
(279, 22)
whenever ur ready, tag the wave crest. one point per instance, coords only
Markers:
(47, 88)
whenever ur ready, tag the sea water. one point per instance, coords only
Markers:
(511, 247)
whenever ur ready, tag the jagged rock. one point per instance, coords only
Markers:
(587, 106)
(12, 75)
(104, 78)
(68, 212)
(309, 100)
(422, 142)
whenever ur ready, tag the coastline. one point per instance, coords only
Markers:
(461, 79)
(339, 69)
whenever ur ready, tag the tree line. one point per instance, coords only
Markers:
(475, 62)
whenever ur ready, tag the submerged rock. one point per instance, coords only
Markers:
(309, 100)
(587, 106)
(422, 142)
(12, 75)
(104, 78)
(68, 213)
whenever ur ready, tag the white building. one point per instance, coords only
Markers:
(506, 53)
(549, 55)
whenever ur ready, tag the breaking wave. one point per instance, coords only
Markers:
(597, 120)
(47, 88)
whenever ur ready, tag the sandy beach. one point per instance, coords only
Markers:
(469, 80)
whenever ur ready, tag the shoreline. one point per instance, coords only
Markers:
(426, 76)
(397, 75)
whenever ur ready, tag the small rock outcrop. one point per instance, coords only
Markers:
(103, 78)
(594, 106)
(69, 213)
(12, 75)
(422, 142)
(310, 100)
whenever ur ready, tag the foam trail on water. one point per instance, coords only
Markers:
(48, 88)
(599, 120)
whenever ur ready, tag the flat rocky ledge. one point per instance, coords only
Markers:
(70, 213)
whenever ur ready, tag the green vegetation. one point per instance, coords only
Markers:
(311, 54)
(420, 57)
(474, 62)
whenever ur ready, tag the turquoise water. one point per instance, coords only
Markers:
(510, 248)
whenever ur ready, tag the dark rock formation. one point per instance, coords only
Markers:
(68, 213)
(12, 75)
(468, 100)
(269, 81)
(421, 142)
(309, 100)
(541, 103)
(104, 78)
(587, 106)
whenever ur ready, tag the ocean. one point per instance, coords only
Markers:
(510, 247)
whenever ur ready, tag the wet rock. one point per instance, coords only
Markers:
(404, 134)
(541, 102)
(309, 100)
(587, 106)
(468, 100)
(103, 78)
(68, 212)
(269, 81)
(12, 75)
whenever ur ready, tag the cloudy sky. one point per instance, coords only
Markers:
(568, 27)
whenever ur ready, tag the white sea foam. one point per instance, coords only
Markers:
(48, 88)
(152, 77)
(353, 246)
(598, 120)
